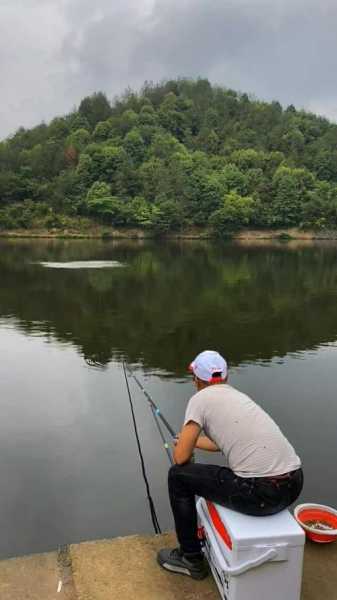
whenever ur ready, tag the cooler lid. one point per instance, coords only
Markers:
(242, 531)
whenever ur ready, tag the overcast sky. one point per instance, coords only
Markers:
(55, 52)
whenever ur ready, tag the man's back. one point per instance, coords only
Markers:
(251, 442)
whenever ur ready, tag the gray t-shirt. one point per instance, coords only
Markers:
(251, 442)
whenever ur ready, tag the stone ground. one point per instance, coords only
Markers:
(36, 577)
(125, 568)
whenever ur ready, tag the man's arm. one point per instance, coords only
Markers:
(188, 440)
(186, 443)
(204, 443)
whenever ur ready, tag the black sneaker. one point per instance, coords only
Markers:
(175, 561)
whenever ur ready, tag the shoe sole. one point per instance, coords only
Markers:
(182, 571)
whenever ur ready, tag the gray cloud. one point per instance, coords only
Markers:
(54, 52)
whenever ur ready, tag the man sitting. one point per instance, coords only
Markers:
(261, 475)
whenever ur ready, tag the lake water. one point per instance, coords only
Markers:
(69, 468)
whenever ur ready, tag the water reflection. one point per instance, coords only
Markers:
(173, 299)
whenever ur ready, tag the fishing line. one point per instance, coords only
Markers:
(153, 513)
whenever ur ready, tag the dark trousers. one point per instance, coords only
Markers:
(258, 496)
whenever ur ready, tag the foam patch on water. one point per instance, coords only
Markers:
(83, 264)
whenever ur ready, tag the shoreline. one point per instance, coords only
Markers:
(97, 232)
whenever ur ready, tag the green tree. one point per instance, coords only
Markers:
(164, 145)
(208, 140)
(127, 121)
(85, 169)
(79, 121)
(95, 108)
(152, 173)
(14, 187)
(100, 162)
(147, 116)
(235, 213)
(134, 146)
(166, 216)
(140, 213)
(78, 139)
(99, 189)
(320, 210)
(290, 193)
(103, 130)
(107, 208)
(232, 179)
(204, 194)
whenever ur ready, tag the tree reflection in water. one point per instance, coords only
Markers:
(173, 299)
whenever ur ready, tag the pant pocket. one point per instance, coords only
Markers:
(271, 496)
(244, 499)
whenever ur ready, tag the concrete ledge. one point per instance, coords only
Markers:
(35, 578)
(320, 572)
(126, 568)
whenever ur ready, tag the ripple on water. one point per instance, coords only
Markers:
(83, 264)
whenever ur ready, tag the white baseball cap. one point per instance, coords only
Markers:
(208, 363)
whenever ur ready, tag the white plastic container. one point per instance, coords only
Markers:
(252, 558)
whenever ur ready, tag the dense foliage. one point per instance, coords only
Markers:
(178, 154)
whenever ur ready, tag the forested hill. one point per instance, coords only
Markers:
(177, 154)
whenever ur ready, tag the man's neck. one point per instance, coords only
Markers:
(201, 385)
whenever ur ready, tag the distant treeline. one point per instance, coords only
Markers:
(177, 154)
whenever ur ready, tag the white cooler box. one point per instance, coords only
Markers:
(252, 558)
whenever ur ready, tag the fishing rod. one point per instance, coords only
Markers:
(153, 405)
(157, 414)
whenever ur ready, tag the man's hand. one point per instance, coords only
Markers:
(186, 443)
